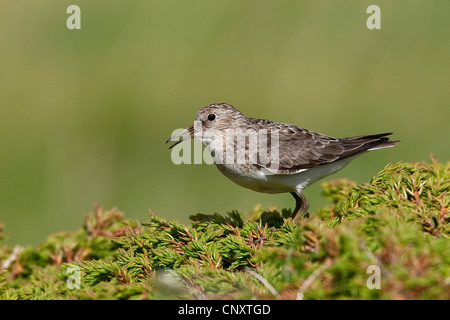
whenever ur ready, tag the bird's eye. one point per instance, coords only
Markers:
(211, 117)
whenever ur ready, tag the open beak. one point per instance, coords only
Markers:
(189, 130)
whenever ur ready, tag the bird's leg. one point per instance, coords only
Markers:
(301, 205)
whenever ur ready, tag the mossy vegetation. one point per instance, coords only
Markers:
(397, 222)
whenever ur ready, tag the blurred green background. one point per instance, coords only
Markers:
(84, 114)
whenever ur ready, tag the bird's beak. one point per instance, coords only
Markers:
(189, 130)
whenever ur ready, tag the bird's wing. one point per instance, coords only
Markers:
(300, 149)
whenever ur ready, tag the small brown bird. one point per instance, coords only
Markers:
(273, 157)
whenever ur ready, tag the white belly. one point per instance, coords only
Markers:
(261, 180)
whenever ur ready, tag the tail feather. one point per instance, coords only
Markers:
(359, 144)
(385, 144)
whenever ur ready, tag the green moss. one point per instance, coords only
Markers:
(398, 222)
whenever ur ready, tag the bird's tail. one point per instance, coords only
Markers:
(370, 142)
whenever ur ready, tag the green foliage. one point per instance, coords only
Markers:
(398, 222)
(417, 191)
